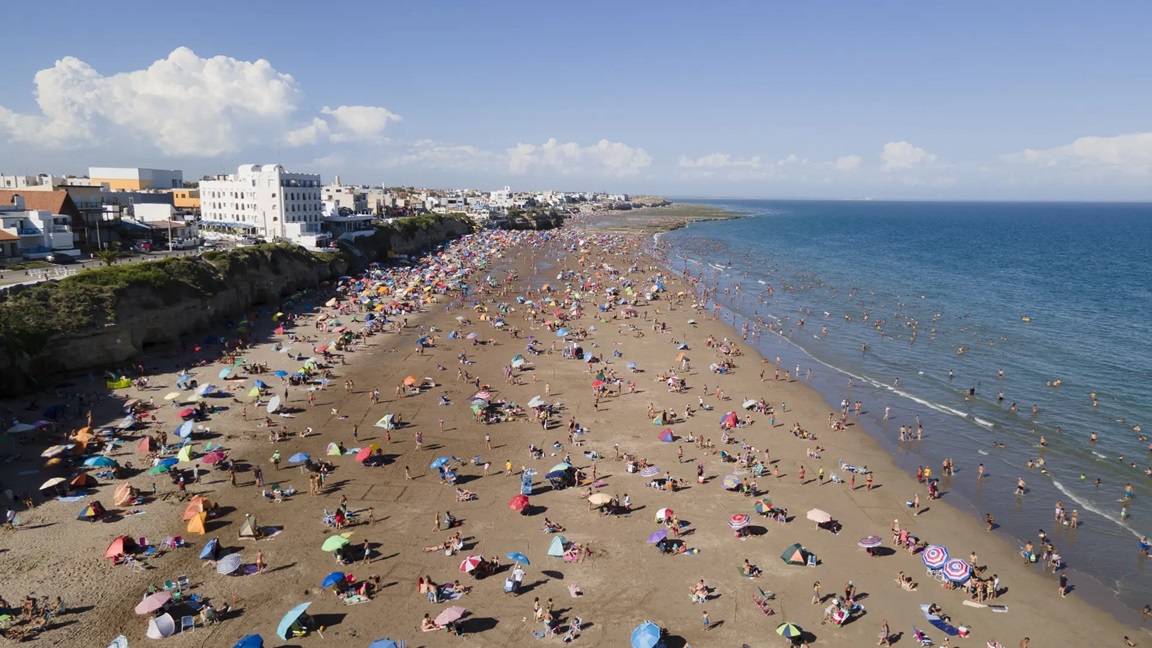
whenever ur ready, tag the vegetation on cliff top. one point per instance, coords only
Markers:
(29, 318)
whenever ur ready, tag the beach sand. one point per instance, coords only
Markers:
(625, 581)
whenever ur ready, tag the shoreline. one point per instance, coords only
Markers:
(624, 567)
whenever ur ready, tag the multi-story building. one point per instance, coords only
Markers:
(136, 179)
(38, 232)
(186, 199)
(345, 197)
(266, 201)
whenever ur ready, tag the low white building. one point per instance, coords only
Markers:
(264, 200)
(39, 232)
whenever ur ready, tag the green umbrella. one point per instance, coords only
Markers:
(156, 470)
(789, 630)
(334, 543)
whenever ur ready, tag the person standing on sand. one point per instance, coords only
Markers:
(868, 481)
(816, 593)
(260, 565)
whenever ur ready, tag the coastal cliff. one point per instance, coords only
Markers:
(407, 236)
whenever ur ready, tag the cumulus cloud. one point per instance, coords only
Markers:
(1130, 152)
(902, 155)
(722, 166)
(847, 163)
(603, 157)
(184, 105)
(719, 161)
(430, 154)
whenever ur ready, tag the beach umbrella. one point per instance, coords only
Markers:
(204, 390)
(83, 480)
(598, 383)
(332, 579)
(187, 412)
(599, 499)
(57, 450)
(161, 627)
(364, 453)
(957, 570)
(259, 384)
(284, 628)
(934, 556)
(730, 482)
(153, 602)
(519, 557)
(214, 457)
(739, 521)
(123, 494)
(209, 549)
(519, 362)
(646, 635)
(556, 474)
(664, 514)
(789, 630)
(99, 462)
(870, 542)
(229, 563)
(185, 429)
(762, 506)
(280, 373)
(120, 546)
(334, 542)
(650, 471)
(453, 613)
(562, 332)
(470, 563)
(386, 643)
(159, 468)
(167, 462)
(438, 462)
(21, 428)
(299, 457)
(250, 641)
(225, 372)
(52, 482)
(562, 466)
(171, 396)
(819, 517)
(518, 503)
(273, 404)
(749, 404)
(657, 536)
(536, 402)
(794, 555)
(409, 381)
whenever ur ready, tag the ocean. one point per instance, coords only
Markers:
(917, 307)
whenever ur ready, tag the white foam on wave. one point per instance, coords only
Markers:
(1089, 506)
(762, 282)
(982, 423)
(1099, 455)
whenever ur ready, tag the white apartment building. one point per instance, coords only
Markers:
(36, 232)
(347, 197)
(266, 201)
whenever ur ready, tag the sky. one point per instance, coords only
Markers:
(838, 99)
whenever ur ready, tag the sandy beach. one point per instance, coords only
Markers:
(399, 505)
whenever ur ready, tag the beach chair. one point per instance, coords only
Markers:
(183, 582)
(171, 585)
(168, 543)
(811, 560)
(920, 637)
(187, 623)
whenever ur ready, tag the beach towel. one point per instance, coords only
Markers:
(575, 591)
(938, 623)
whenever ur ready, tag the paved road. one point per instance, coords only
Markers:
(11, 277)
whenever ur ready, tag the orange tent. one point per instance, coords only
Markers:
(199, 504)
(196, 524)
(119, 547)
(124, 494)
(147, 444)
(82, 480)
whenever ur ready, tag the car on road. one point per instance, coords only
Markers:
(60, 259)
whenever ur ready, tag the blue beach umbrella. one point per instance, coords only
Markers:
(225, 372)
(284, 628)
(168, 461)
(332, 579)
(185, 429)
(383, 643)
(299, 457)
(280, 373)
(562, 332)
(519, 557)
(209, 548)
(251, 641)
(260, 383)
(99, 462)
(646, 635)
(440, 462)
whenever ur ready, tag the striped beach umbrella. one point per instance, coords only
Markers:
(763, 506)
(470, 563)
(739, 521)
(870, 542)
(934, 556)
(789, 630)
(730, 482)
(957, 570)
(650, 471)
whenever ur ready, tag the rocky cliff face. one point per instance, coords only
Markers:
(409, 236)
(105, 317)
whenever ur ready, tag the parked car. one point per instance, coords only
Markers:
(142, 247)
(60, 259)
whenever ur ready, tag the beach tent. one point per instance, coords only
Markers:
(120, 546)
(249, 527)
(146, 445)
(83, 480)
(728, 420)
(119, 642)
(795, 555)
(210, 549)
(123, 383)
(198, 505)
(387, 643)
(646, 635)
(161, 627)
(123, 494)
(387, 422)
(666, 436)
(185, 453)
(93, 510)
(557, 547)
(196, 524)
(292, 621)
(332, 450)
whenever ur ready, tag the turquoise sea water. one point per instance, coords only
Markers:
(962, 276)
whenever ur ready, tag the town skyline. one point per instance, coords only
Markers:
(770, 101)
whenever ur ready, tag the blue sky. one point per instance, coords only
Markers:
(975, 100)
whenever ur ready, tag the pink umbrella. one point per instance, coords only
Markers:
(470, 563)
(451, 614)
(213, 457)
(518, 503)
(153, 602)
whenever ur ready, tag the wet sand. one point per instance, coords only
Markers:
(625, 582)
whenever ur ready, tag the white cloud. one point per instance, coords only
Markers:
(604, 157)
(719, 161)
(184, 105)
(436, 155)
(902, 155)
(1129, 152)
(847, 163)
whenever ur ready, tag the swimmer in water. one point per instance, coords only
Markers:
(1097, 483)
